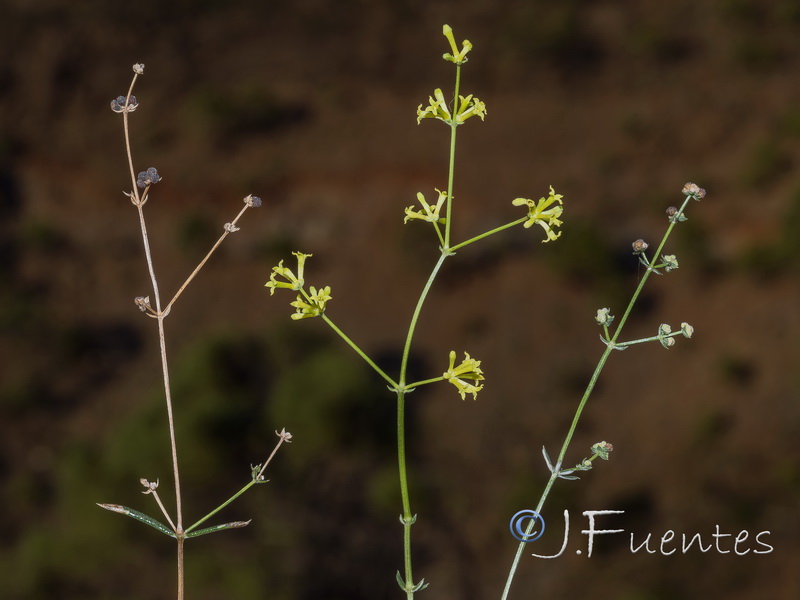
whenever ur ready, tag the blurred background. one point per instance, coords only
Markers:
(311, 105)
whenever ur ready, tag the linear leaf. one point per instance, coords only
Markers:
(233, 525)
(135, 514)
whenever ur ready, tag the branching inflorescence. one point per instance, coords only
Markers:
(466, 376)
(139, 195)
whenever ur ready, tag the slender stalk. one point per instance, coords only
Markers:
(416, 384)
(162, 347)
(451, 169)
(579, 411)
(359, 351)
(199, 522)
(128, 152)
(167, 395)
(257, 478)
(202, 263)
(408, 519)
(415, 317)
(181, 540)
(163, 509)
(488, 233)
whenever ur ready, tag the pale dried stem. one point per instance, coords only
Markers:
(278, 445)
(164, 369)
(163, 351)
(181, 539)
(202, 263)
(163, 510)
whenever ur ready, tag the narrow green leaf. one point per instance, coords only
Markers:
(147, 520)
(233, 525)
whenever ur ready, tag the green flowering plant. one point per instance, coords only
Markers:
(664, 336)
(466, 376)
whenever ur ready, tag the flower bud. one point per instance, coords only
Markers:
(670, 262)
(604, 316)
(639, 246)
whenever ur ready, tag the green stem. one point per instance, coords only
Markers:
(221, 506)
(439, 233)
(589, 388)
(359, 351)
(408, 520)
(415, 317)
(401, 431)
(488, 233)
(258, 477)
(416, 384)
(648, 339)
(401, 443)
(451, 168)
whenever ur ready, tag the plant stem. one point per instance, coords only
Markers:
(451, 168)
(407, 518)
(221, 506)
(256, 479)
(416, 384)
(359, 351)
(401, 440)
(415, 317)
(488, 233)
(202, 263)
(163, 351)
(589, 388)
(181, 540)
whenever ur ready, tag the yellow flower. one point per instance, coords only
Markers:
(315, 305)
(293, 282)
(457, 57)
(437, 108)
(468, 369)
(544, 213)
(429, 213)
(468, 106)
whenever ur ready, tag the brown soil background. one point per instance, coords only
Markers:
(311, 105)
